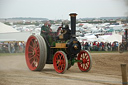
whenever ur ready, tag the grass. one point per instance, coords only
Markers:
(107, 52)
(104, 51)
(11, 54)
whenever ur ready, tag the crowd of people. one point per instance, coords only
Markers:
(100, 46)
(12, 47)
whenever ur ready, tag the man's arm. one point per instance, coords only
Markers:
(43, 31)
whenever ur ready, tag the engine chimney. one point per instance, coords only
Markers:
(73, 24)
(126, 35)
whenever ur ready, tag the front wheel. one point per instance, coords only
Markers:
(60, 62)
(86, 61)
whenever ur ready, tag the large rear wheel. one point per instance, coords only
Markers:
(86, 61)
(60, 62)
(36, 52)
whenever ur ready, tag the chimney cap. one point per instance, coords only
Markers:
(73, 14)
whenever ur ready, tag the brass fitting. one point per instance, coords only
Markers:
(75, 47)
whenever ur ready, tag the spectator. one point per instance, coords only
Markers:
(109, 46)
(9, 47)
(94, 46)
(98, 46)
(117, 44)
(113, 44)
(82, 45)
(22, 46)
(86, 46)
(105, 46)
(4, 48)
(12, 48)
(16, 47)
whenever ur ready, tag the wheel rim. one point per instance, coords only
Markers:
(86, 61)
(59, 62)
(32, 53)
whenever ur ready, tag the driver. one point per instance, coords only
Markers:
(46, 31)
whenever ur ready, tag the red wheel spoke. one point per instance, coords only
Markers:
(32, 42)
(30, 57)
(37, 51)
(30, 52)
(62, 67)
(88, 61)
(56, 59)
(36, 45)
(34, 63)
(30, 46)
(60, 57)
(84, 66)
(38, 55)
(83, 55)
(31, 61)
(86, 56)
(37, 48)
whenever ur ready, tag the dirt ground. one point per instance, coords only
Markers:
(105, 70)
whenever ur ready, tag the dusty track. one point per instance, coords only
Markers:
(105, 71)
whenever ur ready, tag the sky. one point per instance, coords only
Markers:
(60, 9)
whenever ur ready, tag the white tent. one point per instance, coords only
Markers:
(6, 29)
(114, 37)
(110, 38)
(17, 36)
(87, 25)
(103, 37)
(80, 39)
(90, 37)
(8, 33)
(93, 29)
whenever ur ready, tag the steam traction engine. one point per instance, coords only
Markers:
(62, 52)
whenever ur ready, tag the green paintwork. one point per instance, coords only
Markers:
(73, 61)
